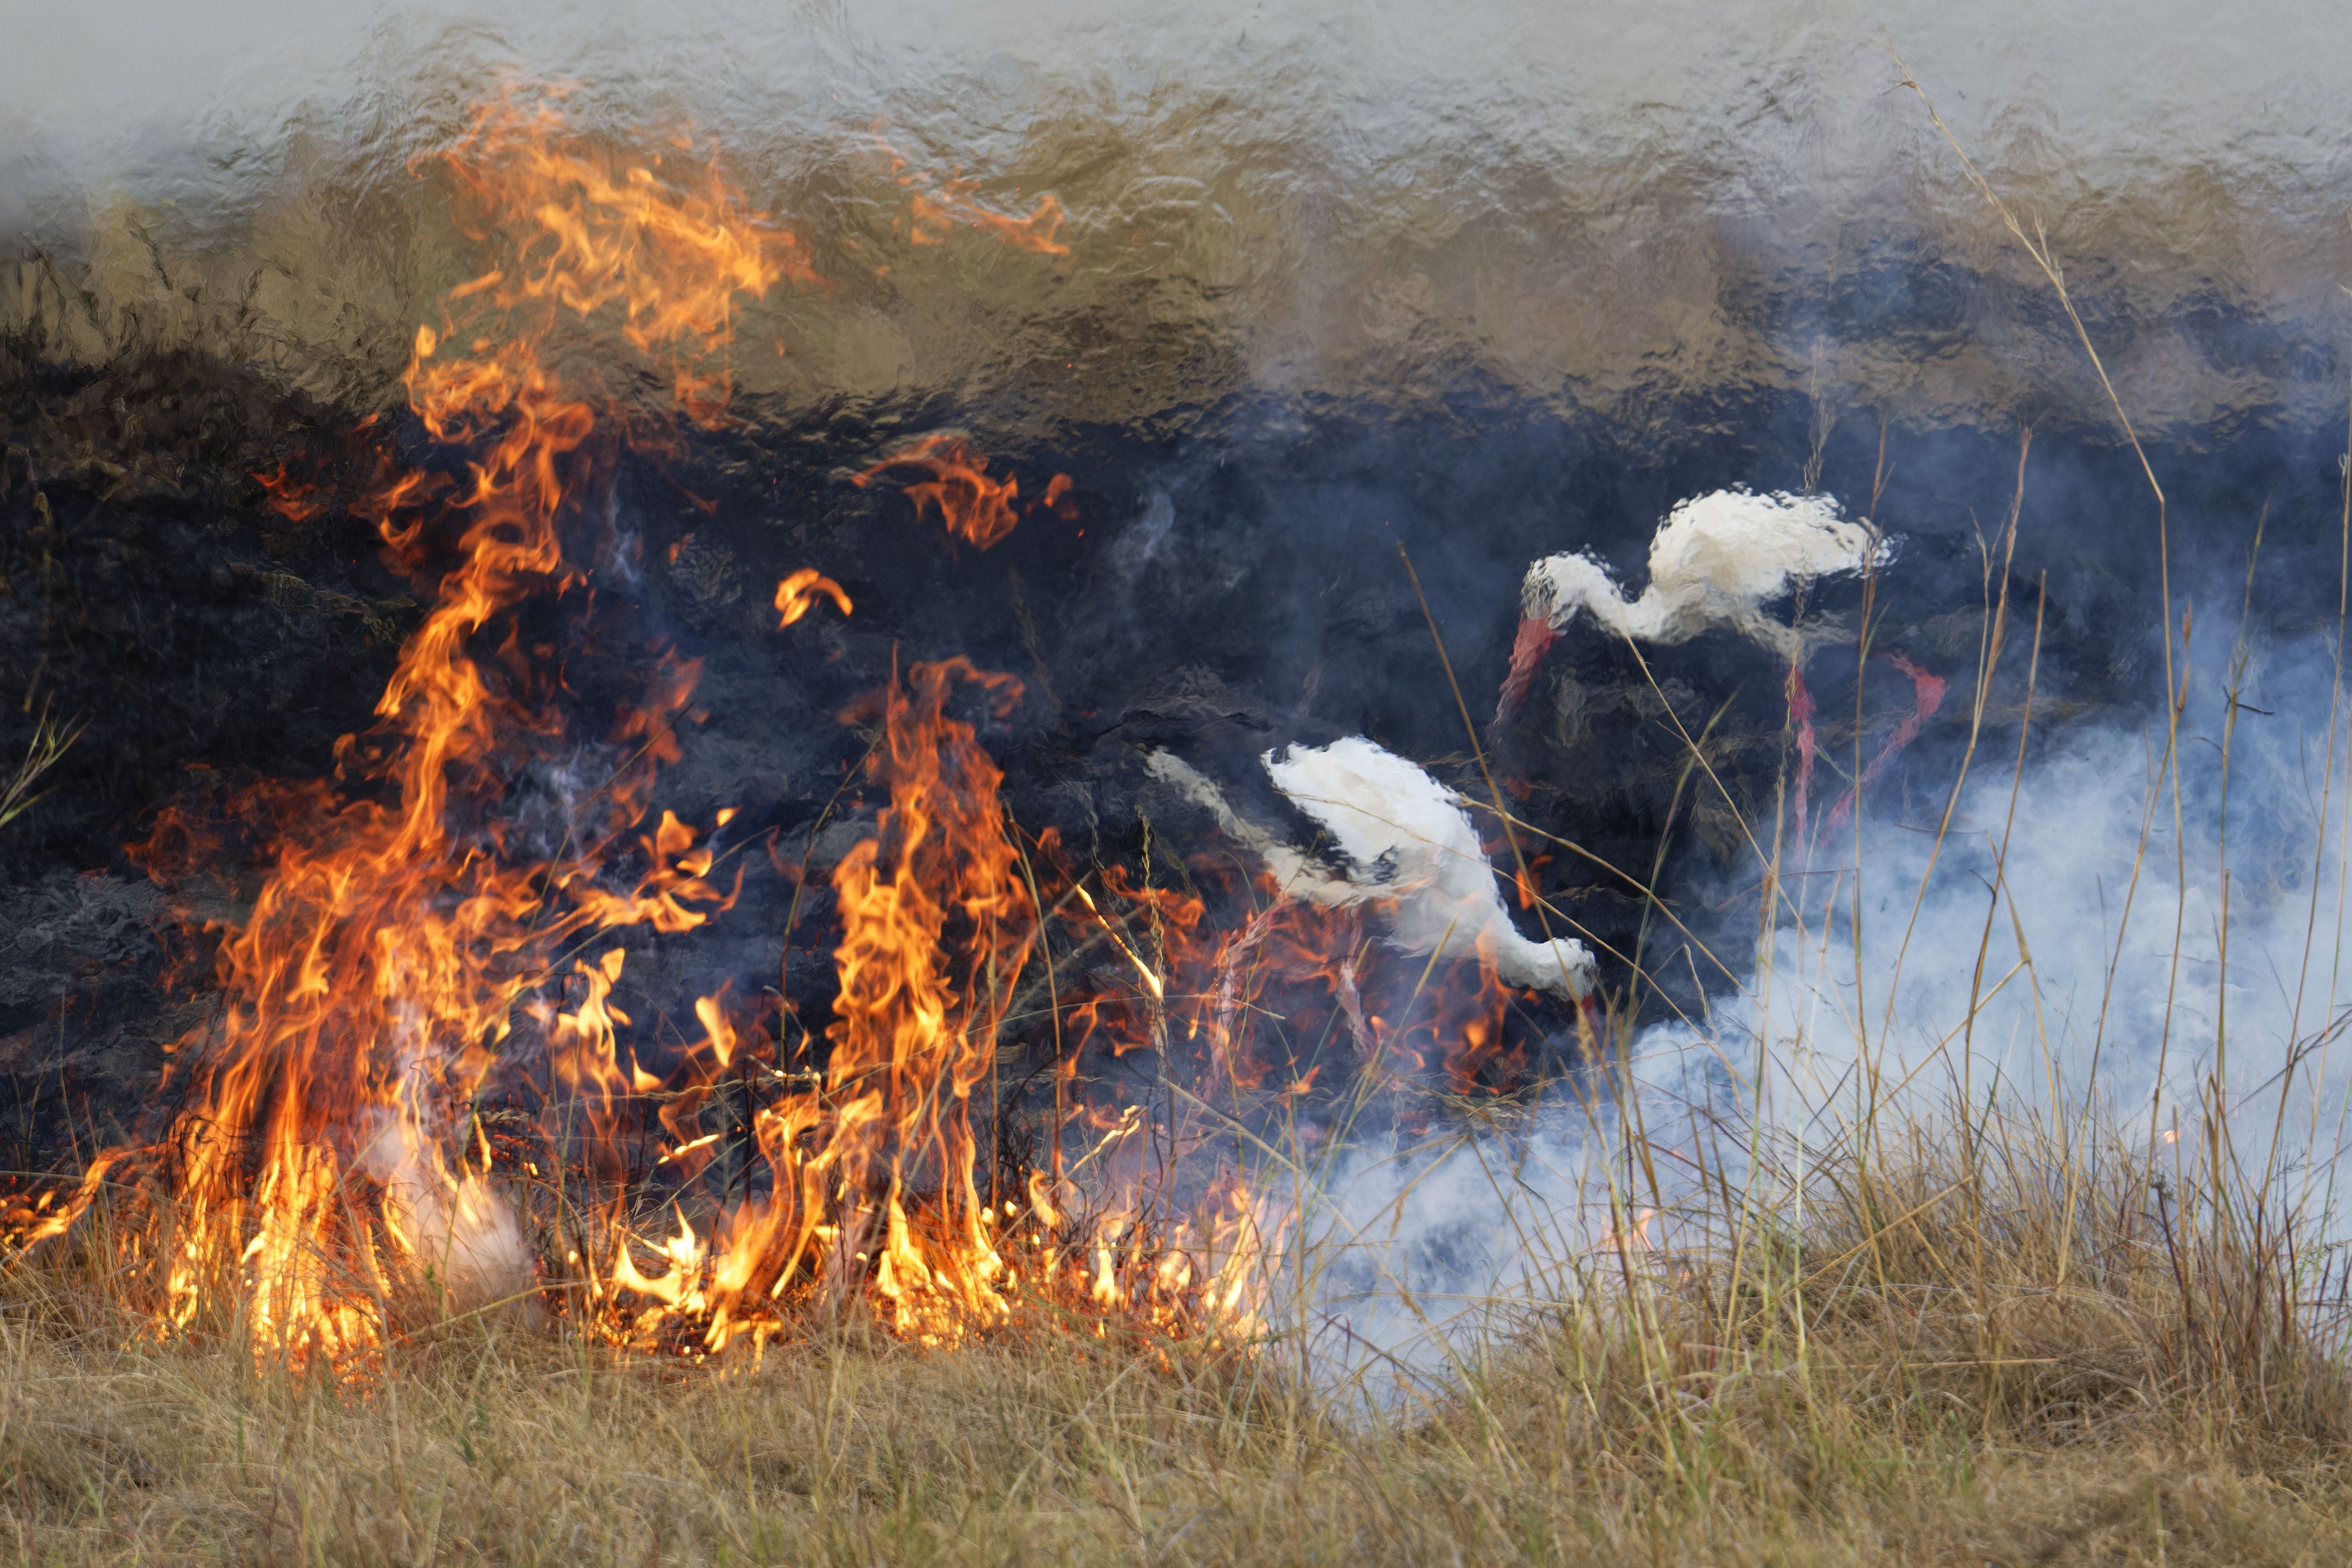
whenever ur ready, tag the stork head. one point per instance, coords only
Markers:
(1537, 596)
(1565, 963)
(1571, 960)
(1549, 596)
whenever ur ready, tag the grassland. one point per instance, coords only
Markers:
(1983, 1336)
(2010, 1351)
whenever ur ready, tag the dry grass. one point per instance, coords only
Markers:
(20, 789)
(1988, 1354)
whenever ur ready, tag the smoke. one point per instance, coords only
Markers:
(2074, 940)
(461, 1233)
(2073, 948)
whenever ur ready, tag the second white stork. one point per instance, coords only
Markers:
(1715, 563)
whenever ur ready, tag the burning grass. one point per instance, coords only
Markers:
(322, 1318)
(2024, 1348)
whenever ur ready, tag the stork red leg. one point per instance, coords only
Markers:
(1800, 716)
(1927, 695)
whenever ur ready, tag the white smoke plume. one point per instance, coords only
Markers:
(2069, 952)
(455, 1225)
(2060, 953)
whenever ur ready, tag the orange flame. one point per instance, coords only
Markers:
(971, 505)
(321, 1160)
(289, 497)
(912, 1037)
(332, 1160)
(939, 205)
(798, 594)
(909, 1043)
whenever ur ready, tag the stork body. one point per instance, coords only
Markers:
(1413, 858)
(1417, 853)
(1716, 561)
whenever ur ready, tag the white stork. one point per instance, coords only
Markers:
(1412, 855)
(1716, 561)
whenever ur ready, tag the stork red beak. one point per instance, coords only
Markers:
(1535, 635)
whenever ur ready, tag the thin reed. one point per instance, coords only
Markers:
(20, 787)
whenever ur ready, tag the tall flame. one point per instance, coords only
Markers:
(910, 1041)
(385, 958)
(421, 923)
(884, 1150)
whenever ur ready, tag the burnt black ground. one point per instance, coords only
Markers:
(1219, 591)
